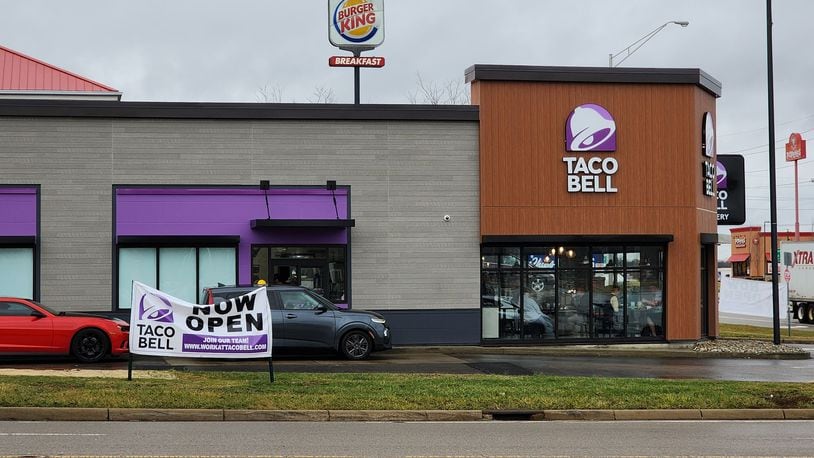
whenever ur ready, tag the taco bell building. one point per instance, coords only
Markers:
(564, 205)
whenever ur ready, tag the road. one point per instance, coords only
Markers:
(517, 439)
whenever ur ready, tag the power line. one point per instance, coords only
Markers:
(778, 143)
(779, 185)
(765, 127)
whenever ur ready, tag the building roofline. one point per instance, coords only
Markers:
(744, 229)
(208, 110)
(481, 72)
(58, 95)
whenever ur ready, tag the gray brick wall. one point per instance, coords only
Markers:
(404, 176)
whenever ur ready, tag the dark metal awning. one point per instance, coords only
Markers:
(12, 241)
(277, 223)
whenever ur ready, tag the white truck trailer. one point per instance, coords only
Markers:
(797, 268)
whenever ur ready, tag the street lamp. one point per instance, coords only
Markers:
(640, 42)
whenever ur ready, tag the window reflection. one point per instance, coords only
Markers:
(574, 305)
(539, 306)
(541, 258)
(509, 306)
(572, 292)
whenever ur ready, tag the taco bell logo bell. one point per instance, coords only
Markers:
(590, 128)
(155, 308)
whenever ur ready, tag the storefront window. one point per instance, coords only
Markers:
(573, 308)
(489, 258)
(177, 267)
(179, 271)
(216, 265)
(17, 272)
(541, 258)
(573, 292)
(573, 257)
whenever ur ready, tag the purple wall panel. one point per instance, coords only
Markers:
(229, 211)
(18, 212)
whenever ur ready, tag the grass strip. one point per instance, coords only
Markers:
(308, 391)
(739, 331)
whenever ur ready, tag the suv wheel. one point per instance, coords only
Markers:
(356, 345)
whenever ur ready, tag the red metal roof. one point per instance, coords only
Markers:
(740, 257)
(19, 72)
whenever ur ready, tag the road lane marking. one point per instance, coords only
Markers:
(51, 434)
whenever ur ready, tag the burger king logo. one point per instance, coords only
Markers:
(356, 23)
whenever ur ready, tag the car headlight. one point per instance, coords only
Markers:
(378, 320)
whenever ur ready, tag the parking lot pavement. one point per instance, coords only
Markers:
(631, 362)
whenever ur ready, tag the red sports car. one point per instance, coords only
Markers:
(27, 327)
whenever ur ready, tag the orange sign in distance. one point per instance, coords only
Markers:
(795, 148)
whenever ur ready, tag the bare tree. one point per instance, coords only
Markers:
(322, 94)
(270, 93)
(452, 92)
(273, 93)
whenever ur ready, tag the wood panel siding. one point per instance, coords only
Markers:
(659, 181)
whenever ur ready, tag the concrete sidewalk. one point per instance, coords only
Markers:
(102, 414)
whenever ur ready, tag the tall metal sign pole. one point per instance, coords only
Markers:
(772, 179)
(356, 26)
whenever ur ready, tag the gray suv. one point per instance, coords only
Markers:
(302, 319)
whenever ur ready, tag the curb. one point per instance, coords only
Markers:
(118, 414)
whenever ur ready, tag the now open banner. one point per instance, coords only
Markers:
(163, 325)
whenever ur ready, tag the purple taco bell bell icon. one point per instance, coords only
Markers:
(590, 127)
(155, 308)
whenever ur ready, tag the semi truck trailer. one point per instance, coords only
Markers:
(797, 268)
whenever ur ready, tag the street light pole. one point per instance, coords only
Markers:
(772, 180)
(640, 42)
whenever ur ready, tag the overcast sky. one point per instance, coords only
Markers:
(206, 50)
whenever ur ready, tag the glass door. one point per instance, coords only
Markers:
(705, 251)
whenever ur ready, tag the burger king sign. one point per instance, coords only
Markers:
(356, 25)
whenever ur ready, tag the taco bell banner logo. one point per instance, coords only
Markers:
(590, 128)
(162, 325)
(154, 307)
